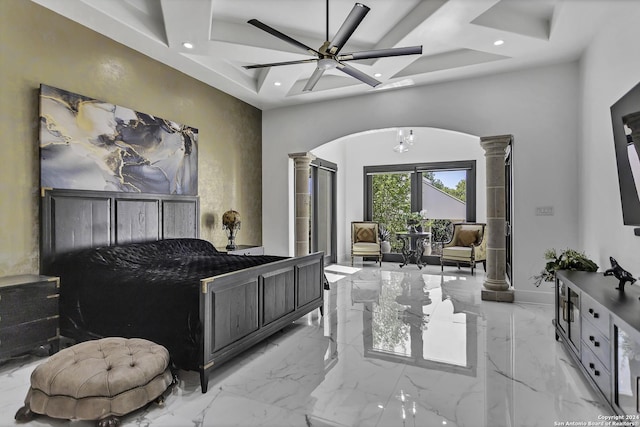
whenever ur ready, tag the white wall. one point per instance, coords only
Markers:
(374, 148)
(609, 68)
(538, 106)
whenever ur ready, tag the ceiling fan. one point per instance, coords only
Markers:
(328, 56)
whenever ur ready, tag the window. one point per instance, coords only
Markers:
(445, 190)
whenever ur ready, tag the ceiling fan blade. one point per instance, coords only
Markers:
(381, 53)
(281, 36)
(349, 25)
(277, 64)
(313, 79)
(354, 72)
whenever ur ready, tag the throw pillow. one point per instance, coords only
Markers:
(365, 233)
(467, 237)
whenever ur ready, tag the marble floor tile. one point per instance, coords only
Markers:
(395, 347)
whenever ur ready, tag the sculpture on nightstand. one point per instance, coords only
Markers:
(619, 273)
(231, 224)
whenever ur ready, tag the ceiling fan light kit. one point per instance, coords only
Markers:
(327, 56)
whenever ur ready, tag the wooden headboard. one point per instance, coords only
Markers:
(77, 219)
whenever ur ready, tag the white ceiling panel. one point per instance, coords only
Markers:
(457, 37)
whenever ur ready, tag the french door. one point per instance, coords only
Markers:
(508, 189)
(323, 230)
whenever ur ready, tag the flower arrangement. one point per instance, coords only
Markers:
(414, 218)
(417, 220)
(231, 220)
(231, 224)
(569, 259)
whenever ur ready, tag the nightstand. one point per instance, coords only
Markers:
(28, 313)
(246, 250)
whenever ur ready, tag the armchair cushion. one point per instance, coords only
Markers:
(457, 253)
(467, 237)
(364, 233)
(365, 248)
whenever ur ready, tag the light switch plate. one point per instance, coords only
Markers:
(544, 211)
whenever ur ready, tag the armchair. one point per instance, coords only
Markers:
(365, 240)
(467, 246)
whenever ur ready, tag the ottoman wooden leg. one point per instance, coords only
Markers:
(25, 414)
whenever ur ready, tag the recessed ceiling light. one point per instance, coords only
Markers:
(277, 84)
(187, 45)
(377, 75)
(498, 42)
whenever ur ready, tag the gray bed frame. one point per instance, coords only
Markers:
(237, 310)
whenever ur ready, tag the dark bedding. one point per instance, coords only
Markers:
(148, 290)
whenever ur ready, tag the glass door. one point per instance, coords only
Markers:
(391, 203)
(323, 209)
(508, 189)
(627, 371)
(444, 201)
(442, 193)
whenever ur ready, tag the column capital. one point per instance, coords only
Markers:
(495, 144)
(302, 156)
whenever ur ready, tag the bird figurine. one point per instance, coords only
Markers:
(619, 273)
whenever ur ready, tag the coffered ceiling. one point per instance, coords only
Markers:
(458, 39)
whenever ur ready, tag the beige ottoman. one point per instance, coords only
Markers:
(98, 380)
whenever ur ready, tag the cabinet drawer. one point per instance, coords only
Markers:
(596, 314)
(27, 336)
(25, 303)
(596, 342)
(597, 372)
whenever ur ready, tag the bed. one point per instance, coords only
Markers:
(131, 265)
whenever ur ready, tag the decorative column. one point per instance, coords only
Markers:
(496, 287)
(302, 163)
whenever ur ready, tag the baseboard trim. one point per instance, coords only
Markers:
(534, 297)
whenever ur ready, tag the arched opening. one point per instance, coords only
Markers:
(352, 153)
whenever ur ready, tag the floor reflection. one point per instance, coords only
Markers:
(414, 319)
(395, 347)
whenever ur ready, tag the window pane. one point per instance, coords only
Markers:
(392, 202)
(444, 195)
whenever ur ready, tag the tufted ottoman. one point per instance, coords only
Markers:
(98, 380)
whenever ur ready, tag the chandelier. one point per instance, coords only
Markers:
(404, 141)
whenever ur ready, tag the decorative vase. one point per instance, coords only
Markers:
(427, 248)
(385, 247)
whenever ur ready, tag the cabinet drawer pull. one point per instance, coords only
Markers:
(592, 366)
(593, 340)
(593, 313)
(596, 373)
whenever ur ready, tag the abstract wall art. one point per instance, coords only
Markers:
(86, 144)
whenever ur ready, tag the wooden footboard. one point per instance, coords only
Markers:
(240, 309)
